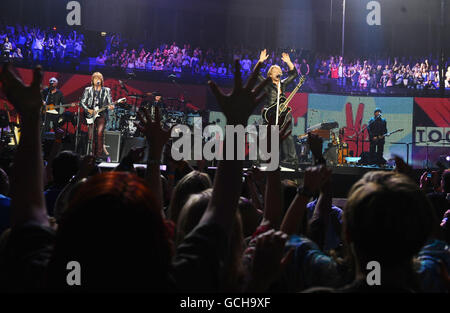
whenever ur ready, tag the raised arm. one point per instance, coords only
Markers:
(237, 107)
(273, 200)
(293, 74)
(263, 56)
(286, 59)
(156, 137)
(313, 179)
(322, 215)
(27, 195)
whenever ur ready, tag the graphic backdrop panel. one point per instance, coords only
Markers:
(353, 114)
(431, 131)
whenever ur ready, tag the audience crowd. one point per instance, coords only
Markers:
(355, 74)
(180, 231)
(34, 43)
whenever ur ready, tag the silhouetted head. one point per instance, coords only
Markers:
(192, 183)
(64, 167)
(115, 231)
(387, 219)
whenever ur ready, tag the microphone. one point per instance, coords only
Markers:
(98, 82)
(278, 76)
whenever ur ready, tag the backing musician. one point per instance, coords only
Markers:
(52, 97)
(377, 129)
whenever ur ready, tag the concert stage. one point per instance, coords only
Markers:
(343, 177)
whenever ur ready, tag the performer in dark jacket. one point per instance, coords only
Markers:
(52, 96)
(377, 129)
(288, 146)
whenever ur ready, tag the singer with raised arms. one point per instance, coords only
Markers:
(275, 93)
(95, 101)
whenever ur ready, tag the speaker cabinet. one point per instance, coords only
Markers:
(112, 143)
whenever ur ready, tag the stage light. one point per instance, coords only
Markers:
(103, 34)
(54, 27)
(447, 158)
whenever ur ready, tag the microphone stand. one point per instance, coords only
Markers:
(78, 127)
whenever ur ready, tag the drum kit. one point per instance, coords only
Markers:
(124, 117)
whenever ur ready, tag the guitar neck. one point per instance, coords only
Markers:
(60, 106)
(106, 106)
(292, 94)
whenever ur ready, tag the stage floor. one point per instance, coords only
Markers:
(343, 177)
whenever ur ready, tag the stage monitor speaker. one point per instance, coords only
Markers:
(112, 143)
(134, 142)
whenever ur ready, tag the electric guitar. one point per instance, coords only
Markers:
(90, 117)
(51, 108)
(386, 135)
(269, 114)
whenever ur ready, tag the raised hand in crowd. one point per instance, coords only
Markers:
(315, 144)
(237, 107)
(27, 180)
(314, 178)
(26, 100)
(157, 137)
(240, 104)
(269, 260)
(323, 216)
(135, 155)
(273, 198)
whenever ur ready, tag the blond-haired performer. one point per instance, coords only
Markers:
(96, 96)
(287, 147)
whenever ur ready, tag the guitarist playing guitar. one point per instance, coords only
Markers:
(377, 129)
(53, 101)
(275, 93)
(95, 101)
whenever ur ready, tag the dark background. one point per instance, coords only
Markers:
(409, 27)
